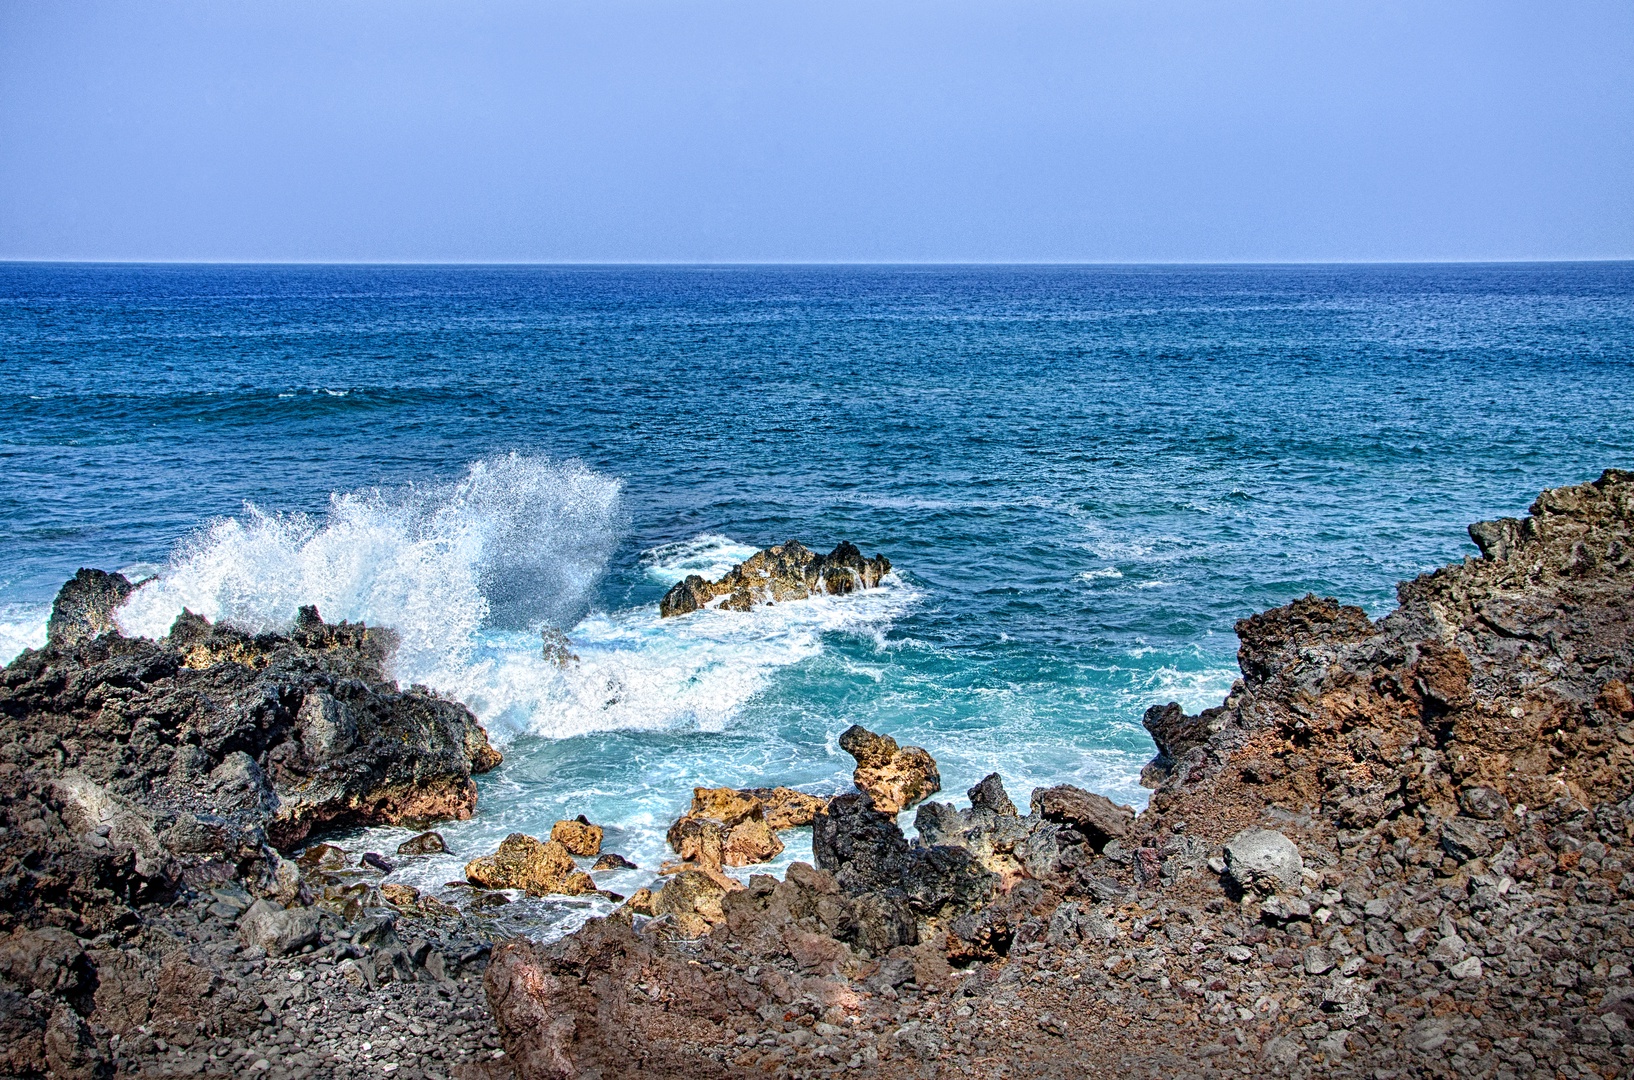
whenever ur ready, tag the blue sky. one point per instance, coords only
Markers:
(637, 130)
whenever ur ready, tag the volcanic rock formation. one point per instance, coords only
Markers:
(788, 571)
(1398, 848)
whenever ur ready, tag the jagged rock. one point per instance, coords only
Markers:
(786, 808)
(867, 853)
(1096, 817)
(1463, 839)
(693, 899)
(537, 868)
(48, 959)
(724, 828)
(1263, 860)
(556, 648)
(990, 830)
(895, 777)
(785, 572)
(427, 843)
(84, 607)
(1483, 802)
(579, 837)
(613, 861)
(268, 925)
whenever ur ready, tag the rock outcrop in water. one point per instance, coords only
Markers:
(1399, 848)
(788, 571)
(895, 777)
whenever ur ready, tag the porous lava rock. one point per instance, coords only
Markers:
(1447, 793)
(578, 836)
(895, 777)
(538, 868)
(788, 571)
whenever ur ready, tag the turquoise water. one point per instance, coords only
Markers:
(1082, 475)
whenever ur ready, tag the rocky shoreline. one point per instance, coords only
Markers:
(1398, 848)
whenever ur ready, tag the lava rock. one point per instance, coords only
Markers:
(895, 777)
(1263, 860)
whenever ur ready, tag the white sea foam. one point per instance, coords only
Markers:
(22, 626)
(1101, 572)
(468, 573)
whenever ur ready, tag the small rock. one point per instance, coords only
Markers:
(1317, 961)
(1462, 839)
(269, 926)
(378, 861)
(323, 857)
(525, 863)
(399, 896)
(427, 843)
(1483, 802)
(1468, 968)
(1263, 860)
(613, 861)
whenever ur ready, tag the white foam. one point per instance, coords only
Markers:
(1102, 572)
(468, 573)
(22, 626)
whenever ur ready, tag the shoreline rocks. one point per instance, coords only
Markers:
(774, 575)
(895, 777)
(1397, 848)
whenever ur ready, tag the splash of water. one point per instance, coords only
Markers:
(517, 541)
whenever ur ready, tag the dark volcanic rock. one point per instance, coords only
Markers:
(84, 607)
(787, 571)
(1097, 817)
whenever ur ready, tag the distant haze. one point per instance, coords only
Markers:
(695, 130)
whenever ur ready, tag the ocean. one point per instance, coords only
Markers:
(1082, 476)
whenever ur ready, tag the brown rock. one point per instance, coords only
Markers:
(525, 863)
(788, 571)
(694, 899)
(400, 896)
(724, 828)
(895, 777)
(1099, 818)
(786, 808)
(427, 843)
(613, 861)
(578, 836)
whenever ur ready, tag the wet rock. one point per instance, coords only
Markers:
(724, 828)
(578, 836)
(378, 862)
(268, 925)
(788, 571)
(427, 843)
(525, 863)
(895, 777)
(323, 857)
(556, 648)
(399, 895)
(84, 607)
(612, 860)
(1263, 860)
(1097, 818)
(785, 808)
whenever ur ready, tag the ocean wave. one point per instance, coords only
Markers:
(22, 626)
(467, 574)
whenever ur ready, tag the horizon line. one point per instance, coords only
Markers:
(727, 263)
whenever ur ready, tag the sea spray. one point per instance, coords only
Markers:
(467, 574)
(517, 541)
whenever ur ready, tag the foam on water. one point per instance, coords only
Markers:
(468, 573)
(22, 626)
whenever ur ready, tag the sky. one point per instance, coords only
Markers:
(767, 131)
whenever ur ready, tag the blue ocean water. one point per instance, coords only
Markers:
(1083, 476)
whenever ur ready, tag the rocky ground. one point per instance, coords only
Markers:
(1398, 848)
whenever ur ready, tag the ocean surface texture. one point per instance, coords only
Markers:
(1083, 477)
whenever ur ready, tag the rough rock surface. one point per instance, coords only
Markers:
(787, 571)
(733, 827)
(149, 792)
(1455, 777)
(895, 777)
(579, 837)
(537, 868)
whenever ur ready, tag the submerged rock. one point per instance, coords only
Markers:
(788, 571)
(427, 843)
(895, 777)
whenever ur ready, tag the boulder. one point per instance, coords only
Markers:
(867, 854)
(694, 899)
(1263, 860)
(49, 959)
(990, 830)
(895, 777)
(427, 843)
(578, 836)
(788, 571)
(1096, 817)
(724, 828)
(323, 858)
(84, 607)
(537, 868)
(270, 926)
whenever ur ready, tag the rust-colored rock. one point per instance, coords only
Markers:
(725, 827)
(522, 862)
(895, 777)
(578, 836)
(777, 574)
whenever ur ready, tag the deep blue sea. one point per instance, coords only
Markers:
(1083, 477)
